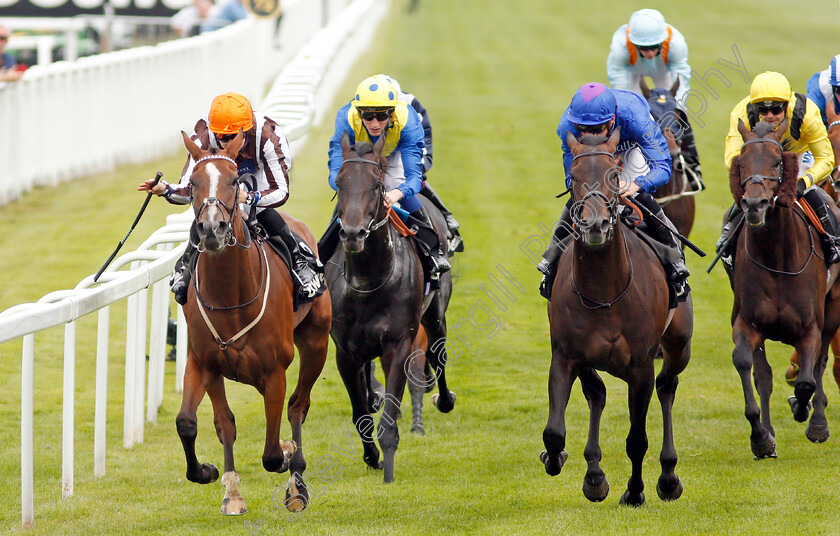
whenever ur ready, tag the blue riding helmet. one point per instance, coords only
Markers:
(833, 77)
(592, 104)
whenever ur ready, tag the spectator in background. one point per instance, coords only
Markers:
(188, 21)
(223, 14)
(10, 71)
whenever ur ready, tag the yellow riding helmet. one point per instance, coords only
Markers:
(771, 86)
(375, 92)
(229, 113)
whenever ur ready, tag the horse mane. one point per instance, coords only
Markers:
(362, 148)
(593, 139)
(762, 129)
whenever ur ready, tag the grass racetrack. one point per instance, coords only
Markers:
(496, 77)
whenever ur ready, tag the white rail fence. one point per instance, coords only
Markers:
(131, 81)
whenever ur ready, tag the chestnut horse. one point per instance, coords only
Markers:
(609, 312)
(828, 186)
(779, 281)
(377, 290)
(676, 196)
(242, 327)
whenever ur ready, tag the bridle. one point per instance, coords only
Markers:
(612, 204)
(230, 240)
(759, 179)
(372, 225)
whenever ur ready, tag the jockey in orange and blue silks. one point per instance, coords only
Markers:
(374, 112)
(646, 165)
(824, 87)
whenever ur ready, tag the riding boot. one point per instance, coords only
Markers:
(329, 241)
(819, 200)
(548, 264)
(307, 270)
(180, 281)
(434, 260)
(692, 159)
(732, 216)
(456, 243)
(663, 231)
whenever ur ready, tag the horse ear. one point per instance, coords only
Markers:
(379, 145)
(345, 142)
(194, 150)
(612, 143)
(232, 149)
(572, 142)
(742, 128)
(675, 87)
(644, 87)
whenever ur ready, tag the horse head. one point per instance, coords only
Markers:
(361, 192)
(214, 184)
(764, 173)
(595, 172)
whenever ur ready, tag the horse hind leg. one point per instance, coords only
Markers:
(350, 370)
(187, 424)
(233, 504)
(560, 380)
(640, 389)
(444, 399)
(595, 484)
(817, 430)
(415, 369)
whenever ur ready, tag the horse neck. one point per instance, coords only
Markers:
(602, 273)
(779, 242)
(373, 265)
(234, 275)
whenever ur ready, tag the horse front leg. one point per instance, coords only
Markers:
(763, 380)
(444, 399)
(809, 351)
(640, 389)
(350, 371)
(277, 453)
(232, 504)
(417, 369)
(595, 484)
(187, 424)
(746, 340)
(389, 434)
(561, 376)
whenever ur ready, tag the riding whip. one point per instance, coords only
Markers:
(732, 235)
(678, 236)
(133, 225)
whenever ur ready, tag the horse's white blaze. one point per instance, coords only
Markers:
(213, 174)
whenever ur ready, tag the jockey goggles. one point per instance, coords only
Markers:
(776, 107)
(592, 129)
(379, 115)
(649, 48)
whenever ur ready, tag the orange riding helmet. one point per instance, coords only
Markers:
(229, 113)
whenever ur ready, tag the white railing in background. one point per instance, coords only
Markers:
(298, 94)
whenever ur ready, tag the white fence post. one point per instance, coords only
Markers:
(27, 382)
(101, 403)
(68, 420)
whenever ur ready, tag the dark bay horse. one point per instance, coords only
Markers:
(676, 196)
(242, 327)
(609, 312)
(779, 281)
(828, 186)
(377, 290)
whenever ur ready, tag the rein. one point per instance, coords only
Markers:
(782, 272)
(759, 179)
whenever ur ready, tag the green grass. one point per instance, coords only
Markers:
(496, 76)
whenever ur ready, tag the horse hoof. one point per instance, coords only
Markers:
(297, 497)
(207, 474)
(791, 374)
(418, 429)
(817, 433)
(596, 492)
(627, 500)
(764, 449)
(669, 488)
(553, 466)
(800, 413)
(234, 506)
(444, 406)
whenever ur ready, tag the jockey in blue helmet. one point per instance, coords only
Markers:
(824, 87)
(646, 165)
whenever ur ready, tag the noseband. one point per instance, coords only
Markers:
(610, 203)
(759, 179)
(372, 224)
(230, 240)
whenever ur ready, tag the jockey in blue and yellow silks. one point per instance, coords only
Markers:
(646, 165)
(824, 87)
(376, 111)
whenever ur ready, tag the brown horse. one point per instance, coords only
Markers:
(828, 186)
(779, 285)
(675, 196)
(242, 326)
(609, 312)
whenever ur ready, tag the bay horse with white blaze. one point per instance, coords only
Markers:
(609, 311)
(377, 289)
(242, 327)
(779, 282)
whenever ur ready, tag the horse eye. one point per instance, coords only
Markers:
(778, 163)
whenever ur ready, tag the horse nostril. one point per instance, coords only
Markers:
(341, 234)
(361, 234)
